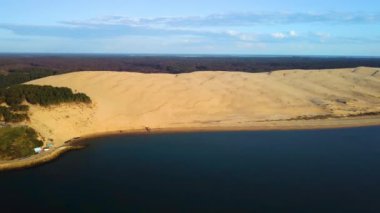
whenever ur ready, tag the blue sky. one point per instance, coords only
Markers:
(292, 27)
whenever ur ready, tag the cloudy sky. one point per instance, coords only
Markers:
(260, 27)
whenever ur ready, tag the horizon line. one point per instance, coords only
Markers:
(189, 54)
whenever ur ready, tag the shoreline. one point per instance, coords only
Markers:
(36, 160)
(82, 141)
(359, 122)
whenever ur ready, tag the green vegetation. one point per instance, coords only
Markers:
(17, 142)
(18, 76)
(42, 95)
(14, 96)
(7, 115)
(19, 108)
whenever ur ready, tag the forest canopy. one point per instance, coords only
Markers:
(18, 76)
(42, 95)
(16, 95)
(18, 142)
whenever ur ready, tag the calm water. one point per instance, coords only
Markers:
(281, 171)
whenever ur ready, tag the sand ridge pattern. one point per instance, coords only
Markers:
(126, 101)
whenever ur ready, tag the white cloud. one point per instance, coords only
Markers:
(237, 19)
(242, 36)
(281, 35)
(233, 33)
(323, 37)
(293, 33)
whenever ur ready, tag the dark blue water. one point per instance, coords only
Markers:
(274, 171)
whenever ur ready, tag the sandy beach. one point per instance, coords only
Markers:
(125, 102)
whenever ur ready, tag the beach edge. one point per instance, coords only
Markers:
(82, 141)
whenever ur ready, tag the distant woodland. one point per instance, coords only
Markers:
(18, 76)
(20, 68)
(172, 64)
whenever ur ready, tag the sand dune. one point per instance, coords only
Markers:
(132, 101)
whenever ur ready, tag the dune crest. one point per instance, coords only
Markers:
(132, 101)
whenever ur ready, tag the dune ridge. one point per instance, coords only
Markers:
(125, 101)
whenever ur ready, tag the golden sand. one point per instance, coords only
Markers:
(125, 101)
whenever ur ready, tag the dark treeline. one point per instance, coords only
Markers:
(9, 115)
(15, 95)
(16, 69)
(42, 95)
(17, 76)
(172, 64)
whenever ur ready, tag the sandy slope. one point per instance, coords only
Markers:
(131, 101)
